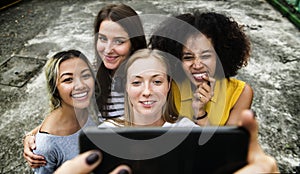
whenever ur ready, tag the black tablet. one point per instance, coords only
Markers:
(175, 150)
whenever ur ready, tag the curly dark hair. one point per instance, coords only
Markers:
(227, 36)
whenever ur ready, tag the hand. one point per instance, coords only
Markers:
(202, 95)
(33, 160)
(258, 161)
(205, 90)
(86, 162)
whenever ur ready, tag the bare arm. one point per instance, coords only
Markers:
(258, 161)
(243, 102)
(33, 160)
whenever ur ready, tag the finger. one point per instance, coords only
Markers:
(34, 166)
(31, 142)
(121, 169)
(30, 155)
(82, 164)
(197, 96)
(205, 87)
(203, 96)
(35, 163)
(212, 82)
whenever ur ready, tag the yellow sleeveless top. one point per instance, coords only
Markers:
(226, 93)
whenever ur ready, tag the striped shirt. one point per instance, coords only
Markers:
(115, 101)
(115, 104)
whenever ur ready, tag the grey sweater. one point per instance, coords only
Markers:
(57, 149)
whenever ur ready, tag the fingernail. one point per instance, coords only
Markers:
(92, 158)
(123, 171)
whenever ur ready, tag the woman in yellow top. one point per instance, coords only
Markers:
(212, 48)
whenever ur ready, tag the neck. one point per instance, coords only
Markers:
(142, 120)
(73, 114)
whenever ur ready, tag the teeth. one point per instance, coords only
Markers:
(79, 95)
(201, 75)
(148, 102)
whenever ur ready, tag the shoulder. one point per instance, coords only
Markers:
(247, 92)
(235, 85)
(233, 82)
(110, 123)
(45, 144)
(245, 88)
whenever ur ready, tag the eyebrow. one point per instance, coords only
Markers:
(205, 51)
(68, 73)
(65, 74)
(155, 75)
(117, 37)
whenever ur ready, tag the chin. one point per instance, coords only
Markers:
(81, 105)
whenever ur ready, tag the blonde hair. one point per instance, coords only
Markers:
(170, 113)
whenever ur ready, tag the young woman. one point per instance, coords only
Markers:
(70, 83)
(118, 33)
(212, 48)
(148, 97)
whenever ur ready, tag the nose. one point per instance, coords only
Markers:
(197, 64)
(79, 84)
(108, 47)
(147, 90)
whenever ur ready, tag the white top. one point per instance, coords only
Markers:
(181, 122)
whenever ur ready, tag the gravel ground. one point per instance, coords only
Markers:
(278, 115)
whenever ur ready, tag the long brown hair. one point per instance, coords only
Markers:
(130, 21)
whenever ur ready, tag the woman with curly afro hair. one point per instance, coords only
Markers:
(212, 48)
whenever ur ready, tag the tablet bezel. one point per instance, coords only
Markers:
(224, 152)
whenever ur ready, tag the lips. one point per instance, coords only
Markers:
(110, 58)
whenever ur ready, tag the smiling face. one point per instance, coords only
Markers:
(113, 44)
(147, 88)
(75, 83)
(199, 58)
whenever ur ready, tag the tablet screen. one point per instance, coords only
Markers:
(169, 150)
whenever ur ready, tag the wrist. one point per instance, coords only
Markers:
(202, 116)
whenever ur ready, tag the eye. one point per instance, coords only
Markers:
(188, 56)
(119, 42)
(86, 76)
(68, 80)
(102, 38)
(207, 56)
(157, 82)
(136, 83)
